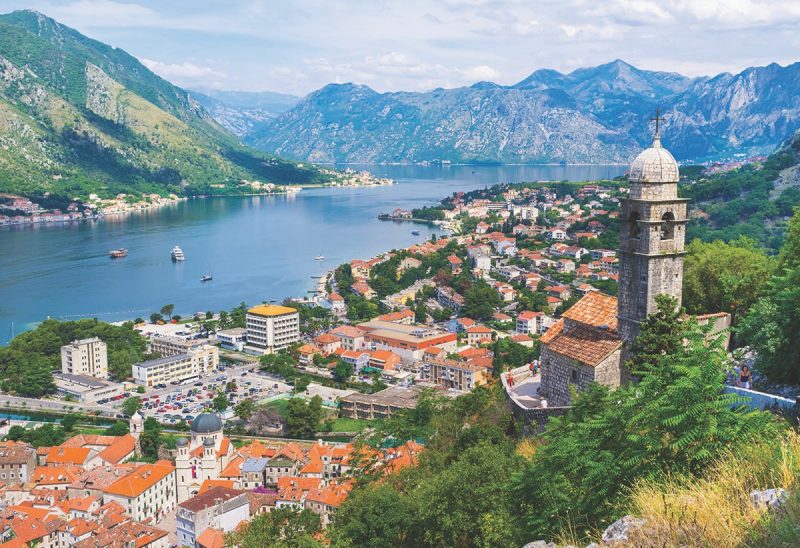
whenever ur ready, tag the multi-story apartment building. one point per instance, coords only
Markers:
(17, 461)
(148, 492)
(220, 508)
(87, 357)
(379, 405)
(179, 367)
(271, 328)
(458, 375)
(407, 341)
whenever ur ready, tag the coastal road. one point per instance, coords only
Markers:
(60, 406)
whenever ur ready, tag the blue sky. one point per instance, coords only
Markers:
(298, 46)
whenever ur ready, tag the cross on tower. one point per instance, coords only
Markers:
(657, 119)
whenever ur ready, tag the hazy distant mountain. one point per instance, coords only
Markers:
(79, 116)
(240, 111)
(598, 114)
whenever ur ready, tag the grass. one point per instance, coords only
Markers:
(344, 424)
(715, 509)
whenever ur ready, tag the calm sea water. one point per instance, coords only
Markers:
(257, 248)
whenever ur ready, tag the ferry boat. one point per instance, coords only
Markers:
(177, 254)
(206, 278)
(118, 253)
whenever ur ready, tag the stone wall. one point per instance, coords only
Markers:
(559, 372)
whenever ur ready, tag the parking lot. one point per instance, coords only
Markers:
(173, 403)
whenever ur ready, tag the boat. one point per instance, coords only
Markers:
(415, 232)
(319, 258)
(177, 254)
(118, 253)
(206, 278)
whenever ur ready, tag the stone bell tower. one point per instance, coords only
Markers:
(652, 237)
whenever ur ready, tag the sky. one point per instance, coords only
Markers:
(297, 46)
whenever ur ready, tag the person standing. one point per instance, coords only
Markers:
(745, 378)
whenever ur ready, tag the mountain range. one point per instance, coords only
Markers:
(78, 116)
(594, 115)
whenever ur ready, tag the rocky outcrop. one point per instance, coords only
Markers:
(620, 530)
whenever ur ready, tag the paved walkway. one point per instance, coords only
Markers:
(526, 392)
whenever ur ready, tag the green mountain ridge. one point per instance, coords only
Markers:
(78, 116)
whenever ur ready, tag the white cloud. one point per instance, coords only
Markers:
(301, 45)
(181, 72)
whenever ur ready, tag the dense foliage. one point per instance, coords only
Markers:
(744, 202)
(280, 528)
(724, 277)
(673, 422)
(772, 326)
(28, 362)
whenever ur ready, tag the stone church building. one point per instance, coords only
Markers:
(593, 338)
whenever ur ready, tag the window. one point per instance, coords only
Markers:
(574, 375)
(667, 226)
(634, 219)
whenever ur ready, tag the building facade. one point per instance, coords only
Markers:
(198, 361)
(219, 508)
(88, 357)
(271, 328)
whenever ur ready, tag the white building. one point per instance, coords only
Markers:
(148, 492)
(219, 508)
(232, 339)
(201, 360)
(87, 357)
(271, 328)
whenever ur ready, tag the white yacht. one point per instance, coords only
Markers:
(177, 254)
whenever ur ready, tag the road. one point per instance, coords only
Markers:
(59, 406)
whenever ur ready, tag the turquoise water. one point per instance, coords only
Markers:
(257, 248)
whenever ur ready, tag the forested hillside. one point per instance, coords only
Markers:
(78, 116)
(754, 201)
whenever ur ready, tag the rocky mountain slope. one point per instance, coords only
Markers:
(78, 116)
(598, 114)
(240, 111)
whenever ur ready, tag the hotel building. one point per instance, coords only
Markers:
(88, 357)
(271, 328)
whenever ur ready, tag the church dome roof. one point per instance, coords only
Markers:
(206, 423)
(654, 165)
(182, 442)
(208, 442)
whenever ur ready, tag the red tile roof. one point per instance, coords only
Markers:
(594, 309)
(587, 345)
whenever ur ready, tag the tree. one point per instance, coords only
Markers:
(660, 334)
(140, 390)
(281, 528)
(420, 312)
(155, 317)
(342, 371)
(119, 428)
(150, 438)
(392, 526)
(724, 277)
(301, 384)
(220, 402)
(167, 310)
(131, 405)
(303, 418)
(772, 325)
(68, 423)
(480, 301)
(244, 409)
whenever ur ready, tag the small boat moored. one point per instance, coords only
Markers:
(415, 232)
(177, 254)
(206, 278)
(118, 253)
(319, 258)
